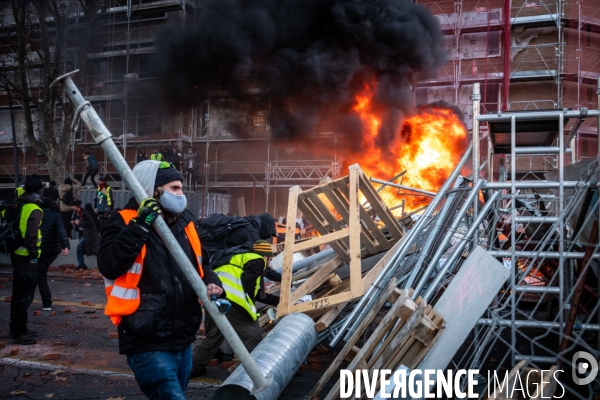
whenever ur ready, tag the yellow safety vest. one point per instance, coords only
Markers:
(122, 293)
(108, 195)
(26, 211)
(157, 157)
(231, 277)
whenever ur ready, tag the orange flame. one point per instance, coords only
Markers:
(428, 146)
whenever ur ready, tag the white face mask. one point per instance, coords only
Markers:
(173, 203)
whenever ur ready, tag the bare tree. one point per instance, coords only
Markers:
(46, 50)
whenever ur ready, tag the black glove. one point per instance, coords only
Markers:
(149, 210)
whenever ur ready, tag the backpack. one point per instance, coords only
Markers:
(68, 197)
(10, 234)
(215, 228)
(223, 256)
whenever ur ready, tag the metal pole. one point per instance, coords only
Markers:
(397, 185)
(389, 270)
(14, 136)
(459, 249)
(513, 234)
(103, 136)
(561, 224)
(432, 235)
(442, 247)
(476, 97)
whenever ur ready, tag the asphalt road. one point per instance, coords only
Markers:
(87, 363)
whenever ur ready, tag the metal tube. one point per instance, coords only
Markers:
(576, 255)
(397, 185)
(442, 247)
(389, 269)
(279, 354)
(513, 234)
(561, 224)
(424, 252)
(459, 249)
(537, 185)
(535, 115)
(537, 150)
(476, 97)
(533, 324)
(103, 136)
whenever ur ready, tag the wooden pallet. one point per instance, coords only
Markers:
(354, 231)
(404, 336)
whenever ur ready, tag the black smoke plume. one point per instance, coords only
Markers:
(310, 56)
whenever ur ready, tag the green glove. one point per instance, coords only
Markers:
(149, 210)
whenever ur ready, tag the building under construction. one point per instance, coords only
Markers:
(545, 56)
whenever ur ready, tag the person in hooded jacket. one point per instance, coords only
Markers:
(54, 242)
(156, 333)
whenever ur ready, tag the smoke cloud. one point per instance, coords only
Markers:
(311, 56)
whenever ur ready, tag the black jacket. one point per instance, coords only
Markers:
(51, 192)
(88, 225)
(54, 236)
(169, 313)
(254, 269)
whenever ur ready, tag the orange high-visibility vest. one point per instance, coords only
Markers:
(123, 293)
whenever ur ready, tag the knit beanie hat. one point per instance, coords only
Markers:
(33, 185)
(263, 248)
(167, 173)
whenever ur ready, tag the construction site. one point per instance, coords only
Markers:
(466, 239)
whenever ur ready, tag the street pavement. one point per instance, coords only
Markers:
(76, 357)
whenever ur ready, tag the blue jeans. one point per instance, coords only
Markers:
(162, 374)
(81, 249)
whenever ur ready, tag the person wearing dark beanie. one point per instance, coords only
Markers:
(24, 261)
(160, 355)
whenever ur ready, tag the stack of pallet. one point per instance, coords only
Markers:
(403, 337)
(355, 222)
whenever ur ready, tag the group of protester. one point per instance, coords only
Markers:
(47, 220)
(188, 163)
(149, 299)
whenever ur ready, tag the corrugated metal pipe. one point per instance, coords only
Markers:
(279, 355)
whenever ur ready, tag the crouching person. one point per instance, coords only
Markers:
(242, 276)
(155, 308)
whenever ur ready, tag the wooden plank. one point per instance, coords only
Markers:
(343, 188)
(330, 316)
(372, 342)
(464, 301)
(379, 206)
(405, 332)
(350, 343)
(321, 303)
(356, 285)
(288, 254)
(319, 240)
(340, 203)
(340, 248)
(314, 281)
(323, 210)
(400, 322)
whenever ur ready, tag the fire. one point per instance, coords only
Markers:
(428, 146)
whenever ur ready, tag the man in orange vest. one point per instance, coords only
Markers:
(155, 308)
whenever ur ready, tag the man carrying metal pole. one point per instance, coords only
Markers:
(103, 137)
(149, 299)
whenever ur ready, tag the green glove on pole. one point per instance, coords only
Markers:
(103, 137)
